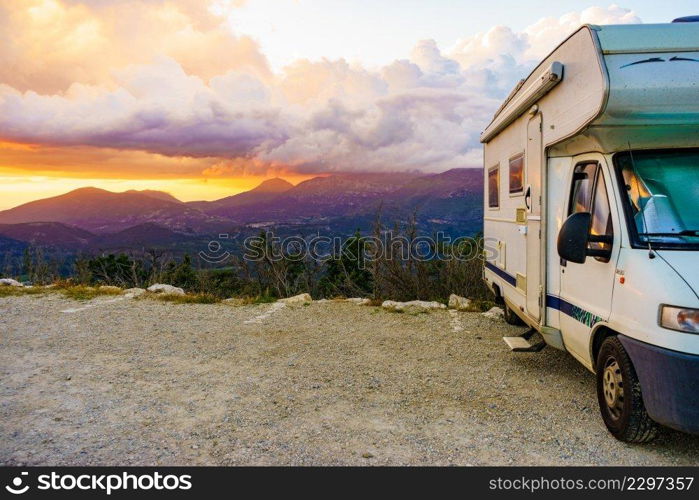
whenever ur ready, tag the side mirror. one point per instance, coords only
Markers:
(573, 238)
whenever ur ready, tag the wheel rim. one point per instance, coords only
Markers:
(613, 388)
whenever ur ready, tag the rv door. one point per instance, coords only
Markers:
(532, 200)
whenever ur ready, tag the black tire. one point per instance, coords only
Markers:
(510, 317)
(619, 395)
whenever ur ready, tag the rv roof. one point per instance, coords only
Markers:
(648, 38)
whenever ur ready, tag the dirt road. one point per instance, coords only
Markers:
(151, 383)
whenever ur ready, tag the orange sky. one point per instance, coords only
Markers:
(179, 96)
(29, 172)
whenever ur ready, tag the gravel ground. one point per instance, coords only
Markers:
(140, 382)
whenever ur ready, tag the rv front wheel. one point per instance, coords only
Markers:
(619, 395)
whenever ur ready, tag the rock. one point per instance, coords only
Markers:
(414, 306)
(360, 301)
(303, 298)
(459, 303)
(494, 313)
(367, 455)
(134, 292)
(109, 288)
(165, 289)
(9, 282)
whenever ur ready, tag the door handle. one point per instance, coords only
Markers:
(527, 197)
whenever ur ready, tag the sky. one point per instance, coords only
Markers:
(204, 99)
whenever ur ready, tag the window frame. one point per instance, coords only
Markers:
(520, 191)
(598, 172)
(495, 168)
(593, 185)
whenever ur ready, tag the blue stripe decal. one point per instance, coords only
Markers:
(552, 301)
(575, 312)
(503, 274)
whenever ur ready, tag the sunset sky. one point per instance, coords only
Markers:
(206, 99)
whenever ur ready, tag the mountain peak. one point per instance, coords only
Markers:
(86, 190)
(275, 185)
(159, 195)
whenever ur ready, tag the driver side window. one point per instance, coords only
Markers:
(589, 194)
(581, 194)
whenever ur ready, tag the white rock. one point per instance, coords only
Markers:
(165, 289)
(459, 303)
(134, 292)
(360, 301)
(303, 298)
(9, 282)
(494, 313)
(414, 306)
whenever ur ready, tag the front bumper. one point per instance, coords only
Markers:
(669, 384)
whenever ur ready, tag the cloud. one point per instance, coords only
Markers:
(170, 78)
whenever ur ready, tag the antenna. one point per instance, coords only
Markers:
(651, 255)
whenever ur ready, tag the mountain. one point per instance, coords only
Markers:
(158, 195)
(338, 204)
(264, 193)
(327, 196)
(454, 195)
(143, 236)
(47, 233)
(11, 246)
(101, 211)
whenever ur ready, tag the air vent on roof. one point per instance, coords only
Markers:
(686, 19)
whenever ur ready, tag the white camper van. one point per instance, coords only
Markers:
(592, 210)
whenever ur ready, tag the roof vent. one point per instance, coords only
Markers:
(686, 19)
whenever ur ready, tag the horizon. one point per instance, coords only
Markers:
(225, 195)
(281, 94)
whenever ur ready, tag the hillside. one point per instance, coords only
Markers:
(229, 206)
(96, 219)
(98, 210)
(47, 233)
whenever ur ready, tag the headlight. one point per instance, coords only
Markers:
(679, 318)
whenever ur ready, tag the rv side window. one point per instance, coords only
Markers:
(601, 213)
(517, 174)
(581, 194)
(494, 187)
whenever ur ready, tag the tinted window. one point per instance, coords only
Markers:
(493, 187)
(581, 195)
(601, 213)
(517, 174)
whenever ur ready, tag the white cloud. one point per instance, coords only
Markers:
(206, 93)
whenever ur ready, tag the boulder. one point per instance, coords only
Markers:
(109, 288)
(9, 282)
(459, 303)
(165, 289)
(360, 301)
(414, 306)
(303, 298)
(494, 313)
(134, 292)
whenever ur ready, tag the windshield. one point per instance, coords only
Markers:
(662, 196)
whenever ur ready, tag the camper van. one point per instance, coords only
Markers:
(591, 217)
